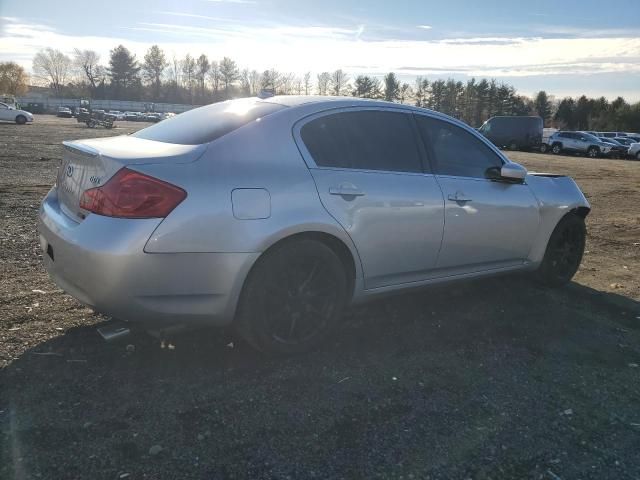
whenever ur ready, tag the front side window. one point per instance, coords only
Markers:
(4, 106)
(363, 139)
(455, 151)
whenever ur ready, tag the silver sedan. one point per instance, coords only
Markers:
(273, 215)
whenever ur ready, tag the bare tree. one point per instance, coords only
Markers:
(174, 71)
(323, 83)
(53, 67)
(214, 77)
(245, 83)
(307, 83)
(88, 62)
(339, 81)
(202, 68)
(254, 82)
(189, 73)
(287, 84)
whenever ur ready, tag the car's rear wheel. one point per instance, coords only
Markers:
(293, 298)
(556, 148)
(544, 148)
(21, 119)
(564, 252)
(593, 152)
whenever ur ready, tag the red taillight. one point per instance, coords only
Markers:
(130, 194)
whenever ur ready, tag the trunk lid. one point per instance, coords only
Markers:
(91, 163)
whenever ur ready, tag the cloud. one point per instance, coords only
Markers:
(425, 27)
(241, 2)
(296, 47)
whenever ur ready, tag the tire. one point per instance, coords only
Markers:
(564, 252)
(544, 148)
(21, 119)
(513, 146)
(593, 152)
(556, 148)
(293, 298)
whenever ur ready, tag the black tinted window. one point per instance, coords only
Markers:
(367, 139)
(205, 124)
(456, 151)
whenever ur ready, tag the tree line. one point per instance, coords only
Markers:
(200, 80)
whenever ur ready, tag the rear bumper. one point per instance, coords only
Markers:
(102, 263)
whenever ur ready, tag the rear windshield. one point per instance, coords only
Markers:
(205, 124)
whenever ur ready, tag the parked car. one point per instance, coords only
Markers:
(273, 215)
(633, 136)
(626, 141)
(64, 112)
(546, 135)
(578, 142)
(152, 117)
(117, 113)
(131, 116)
(610, 134)
(11, 114)
(634, 151)
(514, 132)
(166, 115)
(618, 150)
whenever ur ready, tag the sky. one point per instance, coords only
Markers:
(566, 47)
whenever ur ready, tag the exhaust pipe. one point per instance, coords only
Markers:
(114, 331)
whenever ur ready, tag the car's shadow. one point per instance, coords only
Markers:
(491, 378)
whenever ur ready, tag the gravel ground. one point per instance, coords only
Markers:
(490, 379)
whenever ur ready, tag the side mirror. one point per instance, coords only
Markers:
(513, 171)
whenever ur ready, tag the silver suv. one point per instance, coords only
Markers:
(578, 142)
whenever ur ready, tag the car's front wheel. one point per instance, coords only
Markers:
(564, 252)
(593, 152)
(21, 119)
(293, 298)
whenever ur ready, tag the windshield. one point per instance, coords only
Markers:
(205, 124)
(589, 137)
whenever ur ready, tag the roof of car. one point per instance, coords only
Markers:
(296, 100)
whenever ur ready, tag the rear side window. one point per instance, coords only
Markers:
(364, 139)
(455, 151)
(205, 124)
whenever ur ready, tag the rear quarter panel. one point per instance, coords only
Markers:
(261, 155)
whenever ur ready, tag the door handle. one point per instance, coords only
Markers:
(458, 197)
(346, 190)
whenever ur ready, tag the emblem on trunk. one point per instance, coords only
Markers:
(69, 170)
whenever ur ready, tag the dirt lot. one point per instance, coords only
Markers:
(491, 379)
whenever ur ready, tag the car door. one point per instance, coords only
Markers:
(6, 113)
(488, 224)
(368, 169)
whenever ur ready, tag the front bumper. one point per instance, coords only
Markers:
(102, 263)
